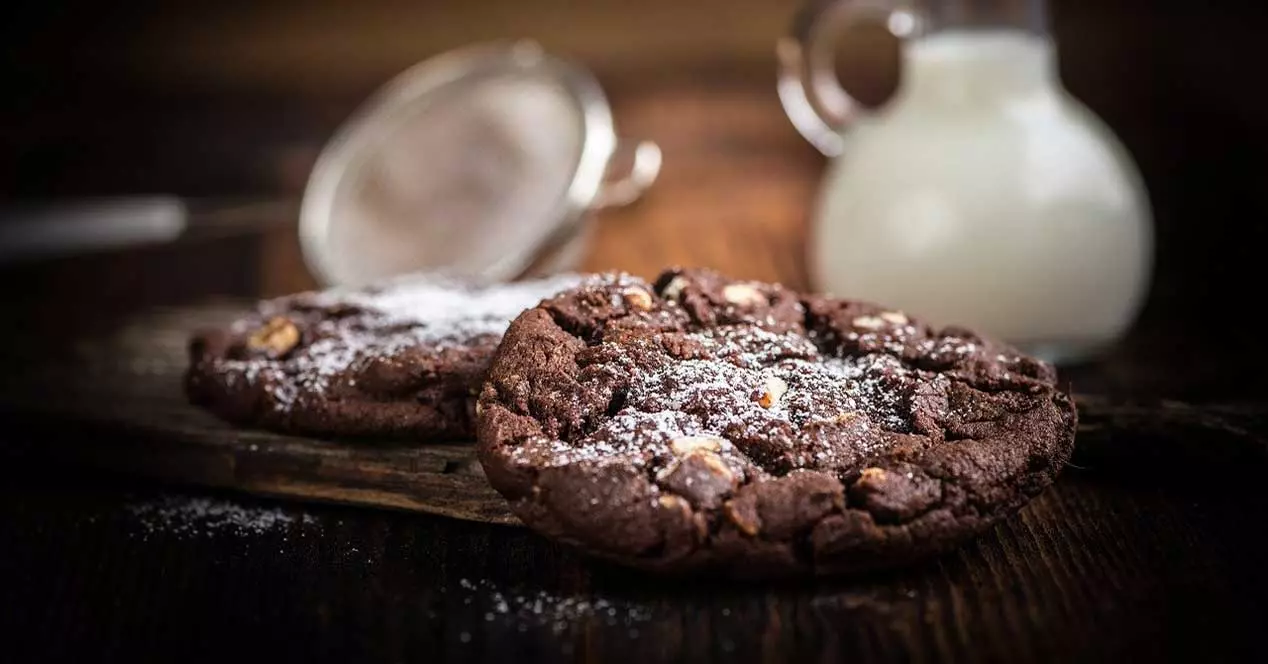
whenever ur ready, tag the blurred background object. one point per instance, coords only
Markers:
(480, 162)
(982, 194)
(236, 99)
(32, 232)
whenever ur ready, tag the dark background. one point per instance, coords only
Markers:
(219, 100)
(236, 98)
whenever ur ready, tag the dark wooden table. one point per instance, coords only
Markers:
(125, 572)
(1161, 560)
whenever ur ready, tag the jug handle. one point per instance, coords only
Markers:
(808, 88)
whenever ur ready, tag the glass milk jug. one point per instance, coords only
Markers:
(983, 194)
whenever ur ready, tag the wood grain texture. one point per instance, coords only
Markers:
(1089, 572)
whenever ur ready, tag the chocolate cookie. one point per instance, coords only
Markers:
(705, 424)
(401, 359)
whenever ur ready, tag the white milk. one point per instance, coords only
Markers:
(984, 195)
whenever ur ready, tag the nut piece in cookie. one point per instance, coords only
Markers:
(772, 391)
(275, 338)
(701, 477)
(743, 513)
(687, 444)
(868, 322)
(637, 298)
(673, 289)
(743, 295)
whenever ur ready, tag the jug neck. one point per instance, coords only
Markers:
(1025, 15)
(977, 67)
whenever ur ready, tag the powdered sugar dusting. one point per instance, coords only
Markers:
(438, 310)
(724, 398)
(543, 609)
(393, 319)
(195, 517)
(825, 410)
(754, 347)
(947, 349)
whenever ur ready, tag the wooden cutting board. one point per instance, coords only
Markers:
(116, 403)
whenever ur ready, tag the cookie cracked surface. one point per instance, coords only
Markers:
(401, 359)
(706, 424)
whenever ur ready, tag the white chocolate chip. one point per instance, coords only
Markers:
(743, 295)
(673, 289)
(868, 323)
(687, 444)
(772, 392)
(895, 317)
(637, 298)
